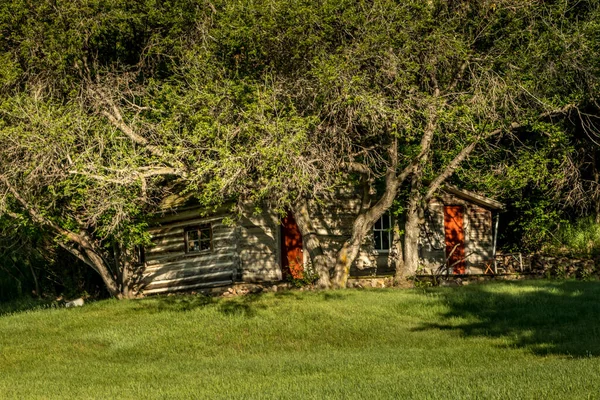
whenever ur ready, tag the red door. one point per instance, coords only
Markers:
(292, 261)
(455, 238)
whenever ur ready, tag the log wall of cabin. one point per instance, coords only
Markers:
(480, 238)
(258, 246)
(432, 242)
(168, 267)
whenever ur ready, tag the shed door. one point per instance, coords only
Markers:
(292, 261)
(455, 237)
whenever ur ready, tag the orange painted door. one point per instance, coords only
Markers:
(455, 237)
(292, 260)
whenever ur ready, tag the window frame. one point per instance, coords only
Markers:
(198, 228)
(389, 232)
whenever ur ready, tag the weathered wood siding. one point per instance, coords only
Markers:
(479, 246)
(432, 242)
(169, 268)
(333, 222)
(258, 246)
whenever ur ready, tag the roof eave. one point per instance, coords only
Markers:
(474, 198)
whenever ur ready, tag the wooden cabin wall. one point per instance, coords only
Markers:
(249, 250)
(432, 243)
(258, 246)
(333, 222)
(479, 241)
(169, 268)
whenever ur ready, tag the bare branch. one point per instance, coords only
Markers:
(357, 167)
(117, 121)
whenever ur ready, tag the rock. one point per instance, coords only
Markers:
(75, 303)
(274, 288)
(256, 289)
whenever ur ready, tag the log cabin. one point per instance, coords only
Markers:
(193, 249)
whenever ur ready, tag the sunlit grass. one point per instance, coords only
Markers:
(507, 340)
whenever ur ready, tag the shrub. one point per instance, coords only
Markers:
(580, 237)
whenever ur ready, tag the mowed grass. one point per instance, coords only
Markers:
(518, 340)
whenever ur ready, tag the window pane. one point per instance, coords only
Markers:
(193, 245)
(377, 240)
(385, 241)
(198, 238)
(386, 221)
(205, 234)
(378, 224)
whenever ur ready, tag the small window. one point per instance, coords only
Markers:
(382, 233)
(198, 238)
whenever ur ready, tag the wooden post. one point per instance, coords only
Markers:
(497, 217)
(521, 262)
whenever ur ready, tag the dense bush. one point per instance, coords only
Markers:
(580, 237)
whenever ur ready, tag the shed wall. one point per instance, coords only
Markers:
(478, 234)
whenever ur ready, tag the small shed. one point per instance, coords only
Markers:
(459, 232)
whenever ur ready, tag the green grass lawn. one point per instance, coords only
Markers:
(529, 339)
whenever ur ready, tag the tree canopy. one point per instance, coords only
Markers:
(106, 106)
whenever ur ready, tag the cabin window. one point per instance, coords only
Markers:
(198, 238)
(382, 233)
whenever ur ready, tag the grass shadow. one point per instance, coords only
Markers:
(25, 304)
(177, 303)
(544, 317)
(246, 305)
(288, 295)
(332, 296)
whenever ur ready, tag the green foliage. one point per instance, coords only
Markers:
(580, 237)
(309, 277)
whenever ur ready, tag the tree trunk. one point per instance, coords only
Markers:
(349, 251)
(99, 265)
(397, 258)
(312, 243)
(35, 281)
(368, 215)
(412, 225)
(84, 249)
(411, 242)
(595, 193)
(125, 270)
